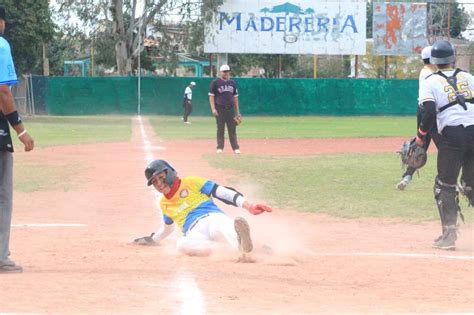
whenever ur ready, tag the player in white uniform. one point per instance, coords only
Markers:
(188, 102)
(427, 70)
(447, 97)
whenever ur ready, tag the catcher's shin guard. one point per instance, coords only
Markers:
(447, 201)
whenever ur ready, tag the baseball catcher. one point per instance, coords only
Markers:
(189, 204)
(447, 98)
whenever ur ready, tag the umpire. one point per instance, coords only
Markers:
(8, 115)
(224, 101)
(447, 95)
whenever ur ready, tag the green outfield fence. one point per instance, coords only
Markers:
(258, 96)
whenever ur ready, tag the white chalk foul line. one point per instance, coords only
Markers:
(191, 296)
(49, 225)
(406, 255)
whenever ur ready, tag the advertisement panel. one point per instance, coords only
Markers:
(297, 27)
(399, 28)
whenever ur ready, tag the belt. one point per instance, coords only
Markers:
(224, 106)
(196, 222)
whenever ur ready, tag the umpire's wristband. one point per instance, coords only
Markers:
(421, 134)
(13, 118)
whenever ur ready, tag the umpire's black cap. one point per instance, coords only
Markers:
(3, 14)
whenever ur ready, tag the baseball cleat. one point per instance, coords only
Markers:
(187, 122)
(444, 244)
(237, 151)
(447, 241)
(404, 182)
(219, 151)
(9, 266)
(243, 235)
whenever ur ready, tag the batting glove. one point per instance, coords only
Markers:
(259, 208)
(146, 240)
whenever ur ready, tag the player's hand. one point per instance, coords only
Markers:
(146, 240)
(215, 113)
(419, 141)
(259, 208)
(28, 141)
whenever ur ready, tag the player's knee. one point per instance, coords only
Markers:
(445, 194)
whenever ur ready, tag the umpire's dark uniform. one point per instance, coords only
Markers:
(447, 97)
(224, 93)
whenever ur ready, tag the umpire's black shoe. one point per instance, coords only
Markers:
(448, 239)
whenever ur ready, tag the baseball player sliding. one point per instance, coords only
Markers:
(188, 203)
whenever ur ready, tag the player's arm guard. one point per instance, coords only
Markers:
(228, 195)
(428, 118)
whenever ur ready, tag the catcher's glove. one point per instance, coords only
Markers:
(412, 155)
(146, 240)
(238, 119)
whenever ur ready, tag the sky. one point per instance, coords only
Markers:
(468, 5)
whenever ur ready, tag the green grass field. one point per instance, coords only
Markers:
(171, 127)
(54, 131)
(40, 176)
(344, 185)
(51, 130)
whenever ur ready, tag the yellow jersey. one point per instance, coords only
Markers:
(190, 202)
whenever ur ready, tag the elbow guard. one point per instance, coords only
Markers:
(228, 195)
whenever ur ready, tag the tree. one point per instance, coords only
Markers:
(243, 63)
(124, 27)
(29, 27)
(438, 19)
(369, 14)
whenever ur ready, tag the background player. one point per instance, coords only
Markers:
(188, 203)
(447, 98)
(188, 101)
(427, 70)
(224, 101)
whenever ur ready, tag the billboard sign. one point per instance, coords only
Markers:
(399, 28)
(297, 27)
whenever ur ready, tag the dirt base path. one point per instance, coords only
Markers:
(320, 265)
(282, 147)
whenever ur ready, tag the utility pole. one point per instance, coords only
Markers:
(449, 20)
(45, 61)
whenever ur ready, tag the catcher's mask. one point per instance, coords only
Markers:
(158, 166)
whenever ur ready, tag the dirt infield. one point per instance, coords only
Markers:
(321, 264)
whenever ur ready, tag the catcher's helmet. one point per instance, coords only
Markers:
(442, 53)
(158, 166)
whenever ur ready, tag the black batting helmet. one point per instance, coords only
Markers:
(442, 53)
(158, 166)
